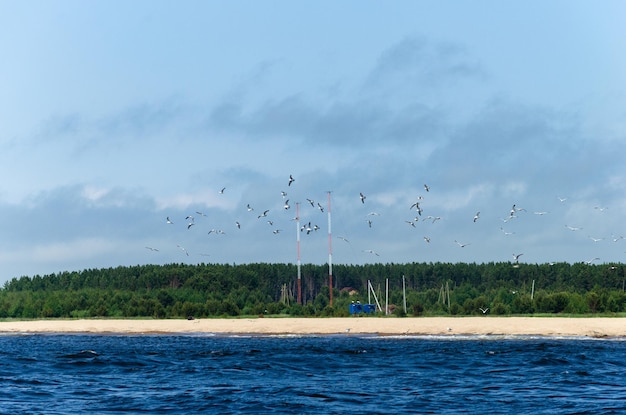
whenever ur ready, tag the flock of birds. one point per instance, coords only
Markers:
(308, 227)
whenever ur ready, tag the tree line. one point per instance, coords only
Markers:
(207, 290)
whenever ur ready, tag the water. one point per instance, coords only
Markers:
(183, 374)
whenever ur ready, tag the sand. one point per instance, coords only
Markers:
(484, 325)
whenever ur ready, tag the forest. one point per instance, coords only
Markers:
(223, 290)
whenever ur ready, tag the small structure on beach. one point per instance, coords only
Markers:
(358, 308)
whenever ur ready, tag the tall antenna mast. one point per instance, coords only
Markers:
(330, 255)
(298, 253)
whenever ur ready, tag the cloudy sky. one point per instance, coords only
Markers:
(115, 115)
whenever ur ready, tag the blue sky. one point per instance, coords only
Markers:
(116, 115)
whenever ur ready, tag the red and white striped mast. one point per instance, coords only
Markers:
(330, 256)
(298, 253)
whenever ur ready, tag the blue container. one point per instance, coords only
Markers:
(358, 308)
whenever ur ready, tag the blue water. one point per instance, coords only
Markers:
(183, 374)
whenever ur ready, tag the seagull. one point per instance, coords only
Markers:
(484, 310)
(541, 213)
(343, 239)
(362, 196)
(591, 260)
(250, 208)
(222, 190)
(167, 220)
(369, 251)
(595, 239)
(152, 249)
(601, 209)
(476, 216)
(572, 228)
(460, 244)
(516, 257)
(283, 194)
(427, 239)
(505, 232)
(286, 206)
(561, 199)
(320, 207)
(410, 223)
(291, 180)
(184, 250)
(238, 224)
(190, 224)
(269, 222)
(373, 214)
(427, 188)
(434, 218)
(276, 231)
(369, 223)
(264, 214)
(200, 213)
(415, 205)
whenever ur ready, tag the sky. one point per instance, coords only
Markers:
(116, 115)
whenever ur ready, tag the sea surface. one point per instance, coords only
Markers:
(340, 374)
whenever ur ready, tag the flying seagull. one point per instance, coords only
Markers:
(152, 249)
(505, 232)
(460, 244)
(222, 190)
(516, 257)
(167, 220)
(184, 250)
(476, 216)
(427, 187)
(362, 196)
(370, 251)
(291, 180)
(484, 310)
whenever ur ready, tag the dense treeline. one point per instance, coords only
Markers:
(180, 290)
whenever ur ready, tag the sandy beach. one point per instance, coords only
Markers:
(546, 326)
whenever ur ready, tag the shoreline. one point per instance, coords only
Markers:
(595, 327)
